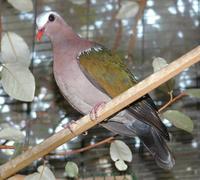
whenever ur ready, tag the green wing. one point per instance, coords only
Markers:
(108, 73)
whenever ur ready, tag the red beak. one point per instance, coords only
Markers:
(40, 34)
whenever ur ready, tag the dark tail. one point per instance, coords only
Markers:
(157, 146)
(151, 138)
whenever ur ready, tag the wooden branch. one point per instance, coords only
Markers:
(110, 139)
(111, 107)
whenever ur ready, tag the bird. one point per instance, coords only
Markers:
(88, 75)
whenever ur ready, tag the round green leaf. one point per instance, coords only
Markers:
(44, 173)
(120, 151)
(10, 133)
(18, 81)
(179, 120)
(158, 63)
(14, 49)
(121, 165)
(71, 169)
(193, 92)
(22, 5)
(168, 86)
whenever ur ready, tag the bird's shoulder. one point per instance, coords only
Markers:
(106, 70)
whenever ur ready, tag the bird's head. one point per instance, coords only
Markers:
(49, 23)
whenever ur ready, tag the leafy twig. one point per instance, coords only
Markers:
(172, 100)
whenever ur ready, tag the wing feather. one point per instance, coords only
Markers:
(109, 74)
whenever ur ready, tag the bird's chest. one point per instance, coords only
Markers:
(76, 88)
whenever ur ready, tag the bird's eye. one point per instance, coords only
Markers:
(51, 17)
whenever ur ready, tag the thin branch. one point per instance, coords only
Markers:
(113, 106)
(172, 100)
(74, 151)
(6, 147)
(131, 43)
(107, 140)
(118, 35)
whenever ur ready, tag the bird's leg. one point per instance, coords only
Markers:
(94, 112)
(69, 125)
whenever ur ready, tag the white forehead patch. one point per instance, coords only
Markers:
(43, 18)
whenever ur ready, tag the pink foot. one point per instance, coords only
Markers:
(95, 109)
(69, 125)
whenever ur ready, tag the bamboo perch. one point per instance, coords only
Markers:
(111, 107)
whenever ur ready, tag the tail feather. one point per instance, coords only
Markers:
(149, 135)
(157, 146)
